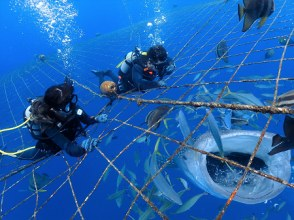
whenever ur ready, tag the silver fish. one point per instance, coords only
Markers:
(215, 132)
(242, 97)
(183, 124)
(162, 185)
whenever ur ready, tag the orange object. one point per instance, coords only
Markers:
(108, 88)
(148, 71)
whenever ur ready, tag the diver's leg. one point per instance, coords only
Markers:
(100, 75)
(70, 147)
(111, 75)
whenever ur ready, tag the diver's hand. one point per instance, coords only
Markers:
(170, 68)
(89, 144)
(161, 83)
(101, 118)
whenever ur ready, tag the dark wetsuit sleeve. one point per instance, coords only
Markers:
(138, 80)
(72, 148)
(84, 117)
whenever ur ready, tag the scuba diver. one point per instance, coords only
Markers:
(55, 121)
(138, 71)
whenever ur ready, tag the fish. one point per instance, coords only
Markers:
(184, 183)
(110, 137)
(183, 124)
(269, 53)
(226, 118)
(236, 142)
(189, 203)
(240, 118)
(242, 98)
(222, 51)
(281, 206)
(229, 68)
(148, 214)
(253, 10)
(37, 182)
(157, 145)
(286, 99)
(142, 139)
(215, 132)
(117, 194)
(132, 175)
(137, 158)
(196, 77)
(154, 117)
(106, 174)
(161, 183)
(265, 86)
(283, 41)
(268, 95)
(119, 177)
(281, 144)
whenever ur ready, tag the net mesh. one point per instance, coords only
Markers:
(191, 36)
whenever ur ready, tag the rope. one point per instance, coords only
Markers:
(254, 108)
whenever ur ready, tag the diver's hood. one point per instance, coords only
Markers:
(220, 179)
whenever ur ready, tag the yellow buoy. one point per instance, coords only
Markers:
(108, 88)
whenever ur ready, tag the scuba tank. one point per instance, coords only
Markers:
(127, 63)
(34, 129)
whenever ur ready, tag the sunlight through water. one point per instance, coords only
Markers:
(57, 20)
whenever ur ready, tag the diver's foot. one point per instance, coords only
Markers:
(108, 72)
(98, 73)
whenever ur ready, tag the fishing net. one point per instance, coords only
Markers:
(114, 175)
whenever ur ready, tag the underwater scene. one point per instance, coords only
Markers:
(161, 109)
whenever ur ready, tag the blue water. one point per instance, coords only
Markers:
(22, 40)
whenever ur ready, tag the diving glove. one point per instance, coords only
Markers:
(102, 118)
(161, 83)
(89, 144)
(170, 68)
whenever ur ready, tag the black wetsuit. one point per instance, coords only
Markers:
(60, 136)
(139, 77)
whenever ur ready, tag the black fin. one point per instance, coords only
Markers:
(281, 148)
(288, 127)
(277, 139)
